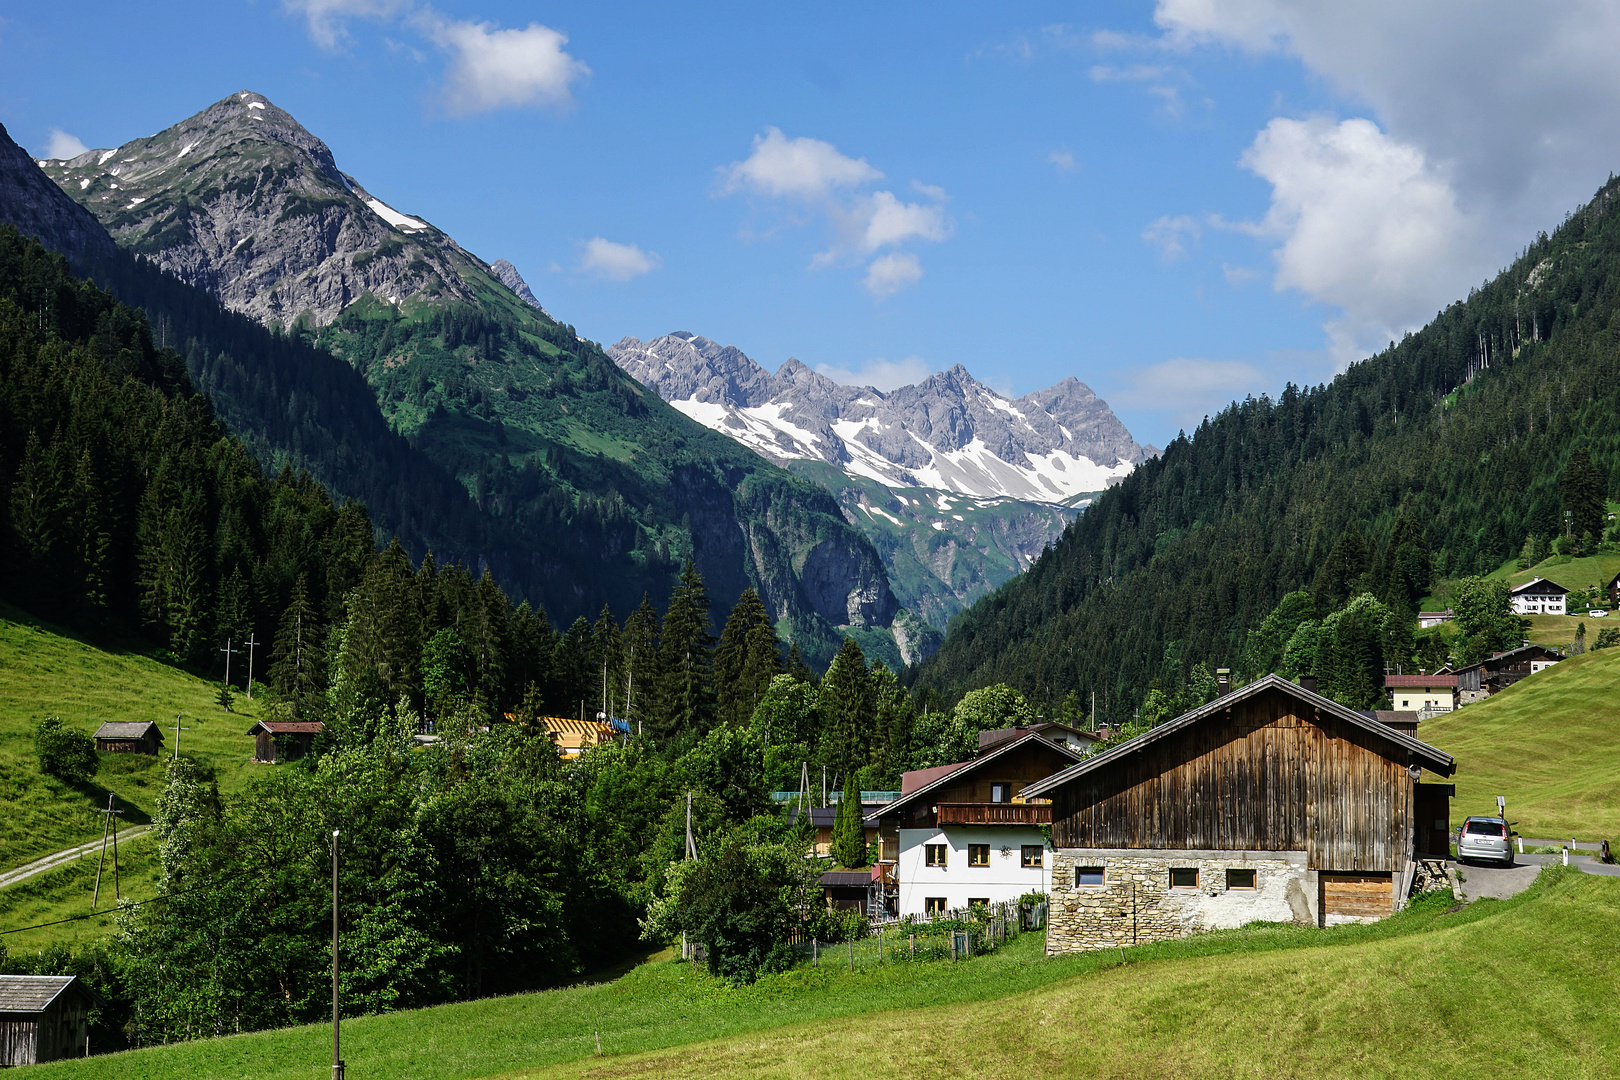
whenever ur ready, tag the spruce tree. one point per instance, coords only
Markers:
(845, 704)
(1581, 490)
(746, 659)
(607, 652)
(684, 648)
(642, 673)
(295, 659)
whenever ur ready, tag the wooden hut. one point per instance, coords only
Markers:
(129, 737)
(1270, 803)
(272, 737)
(43, 1018)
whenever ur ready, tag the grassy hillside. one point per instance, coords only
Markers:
(45, 670)
(1550, 744)
(68, 891)
(1432, 992)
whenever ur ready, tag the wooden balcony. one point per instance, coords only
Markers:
(977, 813)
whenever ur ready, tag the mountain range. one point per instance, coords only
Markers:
(577, 486)
(958, 486)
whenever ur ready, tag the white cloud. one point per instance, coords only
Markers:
(1184, 390)
(1063, 160)
(1472, 157)
(1169, 235)
(815, 174)
(1238, 276)
(63, 146)
(801, 168)
(880, 373)
(616, 262)
(890, 273)
(493, 68)
(328, 19)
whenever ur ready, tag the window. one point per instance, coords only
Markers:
(978, 854)
(980, 901)
(934, 905)
(1032, 855)
(1001, 793)
(1088, 875)
(935, 855)
(1239, 879)
(1184, 877)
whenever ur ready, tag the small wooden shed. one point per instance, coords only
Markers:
(131, 737)
(296, 736)
(43, 1018)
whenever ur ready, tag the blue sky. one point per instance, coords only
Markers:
(1176, 203)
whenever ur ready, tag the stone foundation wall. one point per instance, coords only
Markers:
(1136, 903)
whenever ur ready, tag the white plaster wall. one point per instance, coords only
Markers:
(956, 881)
(1422, 698)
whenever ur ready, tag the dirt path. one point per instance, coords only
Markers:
(51, 862)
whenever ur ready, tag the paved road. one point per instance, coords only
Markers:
(1483, 881)
(51, 862)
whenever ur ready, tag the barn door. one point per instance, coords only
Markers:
(1356, 895)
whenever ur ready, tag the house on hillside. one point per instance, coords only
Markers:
(1427, 619)
(1430, 695)
(1270, 803)
(44, 1018)
(278, 740)
(1538, 597)
(1072, 737)
(129, 737)
(965, 833)
(1476, 682)
(1613, 591)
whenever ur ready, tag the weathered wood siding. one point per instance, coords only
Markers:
(1257, 777)
(18, 1039)
(1363, 896)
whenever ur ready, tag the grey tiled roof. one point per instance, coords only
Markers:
(31, 993)
(117, 729)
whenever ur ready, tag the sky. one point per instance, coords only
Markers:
(1178, 203)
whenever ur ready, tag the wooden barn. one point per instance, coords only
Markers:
(1270, 803)
(43, 1018)
(275, 739)
(138, 737)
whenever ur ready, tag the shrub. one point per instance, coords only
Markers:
(65, 753)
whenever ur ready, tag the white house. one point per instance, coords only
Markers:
(1539, 597)
(963, 833)
(1429, 694)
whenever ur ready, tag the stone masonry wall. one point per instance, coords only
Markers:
(1135, 903)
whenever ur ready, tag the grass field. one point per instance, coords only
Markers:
(1550, 744)
(68, 890)
(1519, 987)
(45, 670)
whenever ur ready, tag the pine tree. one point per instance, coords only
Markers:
(745, 660)
(642, 674)
(684, 652)
(845, 704)
(607, 650)
(1581, 491)
(295, 659)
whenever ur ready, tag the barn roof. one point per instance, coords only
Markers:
(33, 993)
(287, 727)
(965, 767)
(1420, 752)
(130, 729)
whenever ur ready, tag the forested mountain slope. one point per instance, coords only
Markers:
(1462, 428)
(589, 489)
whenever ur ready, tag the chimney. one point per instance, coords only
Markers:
(1223, 681)
(1308, 682)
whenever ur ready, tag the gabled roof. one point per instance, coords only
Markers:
(288, 727)
(1448, 679)
(34, 993)
(917, 779)
(1495, 660)
(962, 768)
(130, 729)
(988, 739)
(1424, 754)
(1546, 586)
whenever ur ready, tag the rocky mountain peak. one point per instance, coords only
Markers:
(508, 275)
(38, 207)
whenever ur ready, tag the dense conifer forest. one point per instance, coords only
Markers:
(1441, 455)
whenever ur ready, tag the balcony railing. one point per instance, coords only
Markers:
(973, 813)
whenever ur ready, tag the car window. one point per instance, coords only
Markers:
(1483, 828)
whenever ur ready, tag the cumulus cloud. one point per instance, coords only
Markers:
(494, 68)
(879, 373)
(616, 262)
(802, 168)
(816, 175)
(1171, 235)
(327, 20)
(63, 146)
(890, 273)
(1445, 166)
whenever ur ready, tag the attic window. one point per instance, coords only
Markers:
(1239, 878)
(1001, 793)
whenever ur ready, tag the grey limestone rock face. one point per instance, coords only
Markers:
(38, 208)
(242, 201)
(508, 275)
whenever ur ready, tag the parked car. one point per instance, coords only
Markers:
(1485, 839)
(1597, 613)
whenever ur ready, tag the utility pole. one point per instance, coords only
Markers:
(337, 1062)
(691, 844)
(253, 640)
(177, 729)
(227, 650)
(107, 823)
(606, 713)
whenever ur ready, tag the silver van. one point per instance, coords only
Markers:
(1486, 839)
